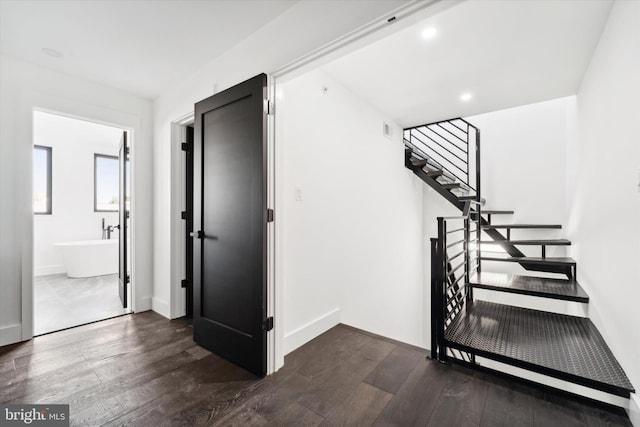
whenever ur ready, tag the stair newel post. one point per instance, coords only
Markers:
(434, 298)
(467, 259)
(440, 287)
(479, 200)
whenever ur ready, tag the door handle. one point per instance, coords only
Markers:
(197, 234)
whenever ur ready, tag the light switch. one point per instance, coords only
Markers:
(298, 194)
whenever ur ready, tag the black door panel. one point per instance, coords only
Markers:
(229, 208)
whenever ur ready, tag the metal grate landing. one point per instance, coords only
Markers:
(565, 347)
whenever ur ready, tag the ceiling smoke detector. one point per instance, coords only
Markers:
(52, 52)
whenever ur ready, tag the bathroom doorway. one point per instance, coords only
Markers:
(81, 202)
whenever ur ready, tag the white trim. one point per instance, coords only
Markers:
(161, 307)
(178, 231)
(634, 409)
(555, 382)
(306, 333)
(10, 334)
(46, 270)
(30, 102)
(275, 355)
(391, 22)
(142, 304)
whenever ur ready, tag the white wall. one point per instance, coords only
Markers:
(74, 143)
(353, 244)
(301, 29)
(25, 87)
(605, 206)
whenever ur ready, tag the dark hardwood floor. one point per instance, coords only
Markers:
(143, 370)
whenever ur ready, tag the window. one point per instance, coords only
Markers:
(105, 181)
(42, 180)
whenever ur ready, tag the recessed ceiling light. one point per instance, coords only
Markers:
(429, 33)
(52, 52)
(465, 97)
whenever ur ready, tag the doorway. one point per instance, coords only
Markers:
(81, 200)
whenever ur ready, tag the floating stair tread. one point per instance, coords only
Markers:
(545, 242)
(533, 260)
(494, 226)
(490, 212)
(451, 184)
(561, 289)
(566, 347)
(470, 197)
(418, 162)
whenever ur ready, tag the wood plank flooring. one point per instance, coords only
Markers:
(144, 370)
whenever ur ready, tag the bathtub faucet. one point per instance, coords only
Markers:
(106, 231)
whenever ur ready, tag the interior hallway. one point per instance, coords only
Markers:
(144, 370)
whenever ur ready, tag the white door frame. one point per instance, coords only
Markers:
(80, 111)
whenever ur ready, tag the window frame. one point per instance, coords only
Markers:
(49, 175)
(95, 180)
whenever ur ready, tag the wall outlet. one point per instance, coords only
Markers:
(298, 194)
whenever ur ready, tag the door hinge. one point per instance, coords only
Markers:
(127, 151)
(185, 146)
(268, 107)
(184, 215)
(126, 213)
(269, 215)
(184, 283)
(267, 324)
(128, 279)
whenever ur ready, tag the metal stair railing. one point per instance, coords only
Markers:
(455, 258)
(451, 145)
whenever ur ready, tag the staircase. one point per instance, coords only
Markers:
(446, 156)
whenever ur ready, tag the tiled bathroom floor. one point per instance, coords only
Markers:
(61, 302)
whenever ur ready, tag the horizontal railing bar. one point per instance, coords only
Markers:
(466, 132)
(450, 162)
(427, 146)
(455, 256)
(443, 147)
(453, 134)
(455, 269)
(455, 231)
(457, 242)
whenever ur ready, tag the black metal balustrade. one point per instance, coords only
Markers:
(452, 146)
(455, 260)
(446, 156)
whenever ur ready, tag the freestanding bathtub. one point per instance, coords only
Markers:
(87, 258)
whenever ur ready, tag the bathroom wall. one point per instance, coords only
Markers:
(74, 143)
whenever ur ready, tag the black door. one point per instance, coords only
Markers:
(230, 214)
(123, 213)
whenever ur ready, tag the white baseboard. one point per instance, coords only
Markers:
(556, 383)
(634, 410)
(160, 307)
(143, 304)
(10, 334)
(45, 270)
(309, 331)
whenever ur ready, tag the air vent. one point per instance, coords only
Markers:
(387, 130)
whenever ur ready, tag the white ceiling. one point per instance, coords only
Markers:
(139, 46)
(146, 46)
(505, 53)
